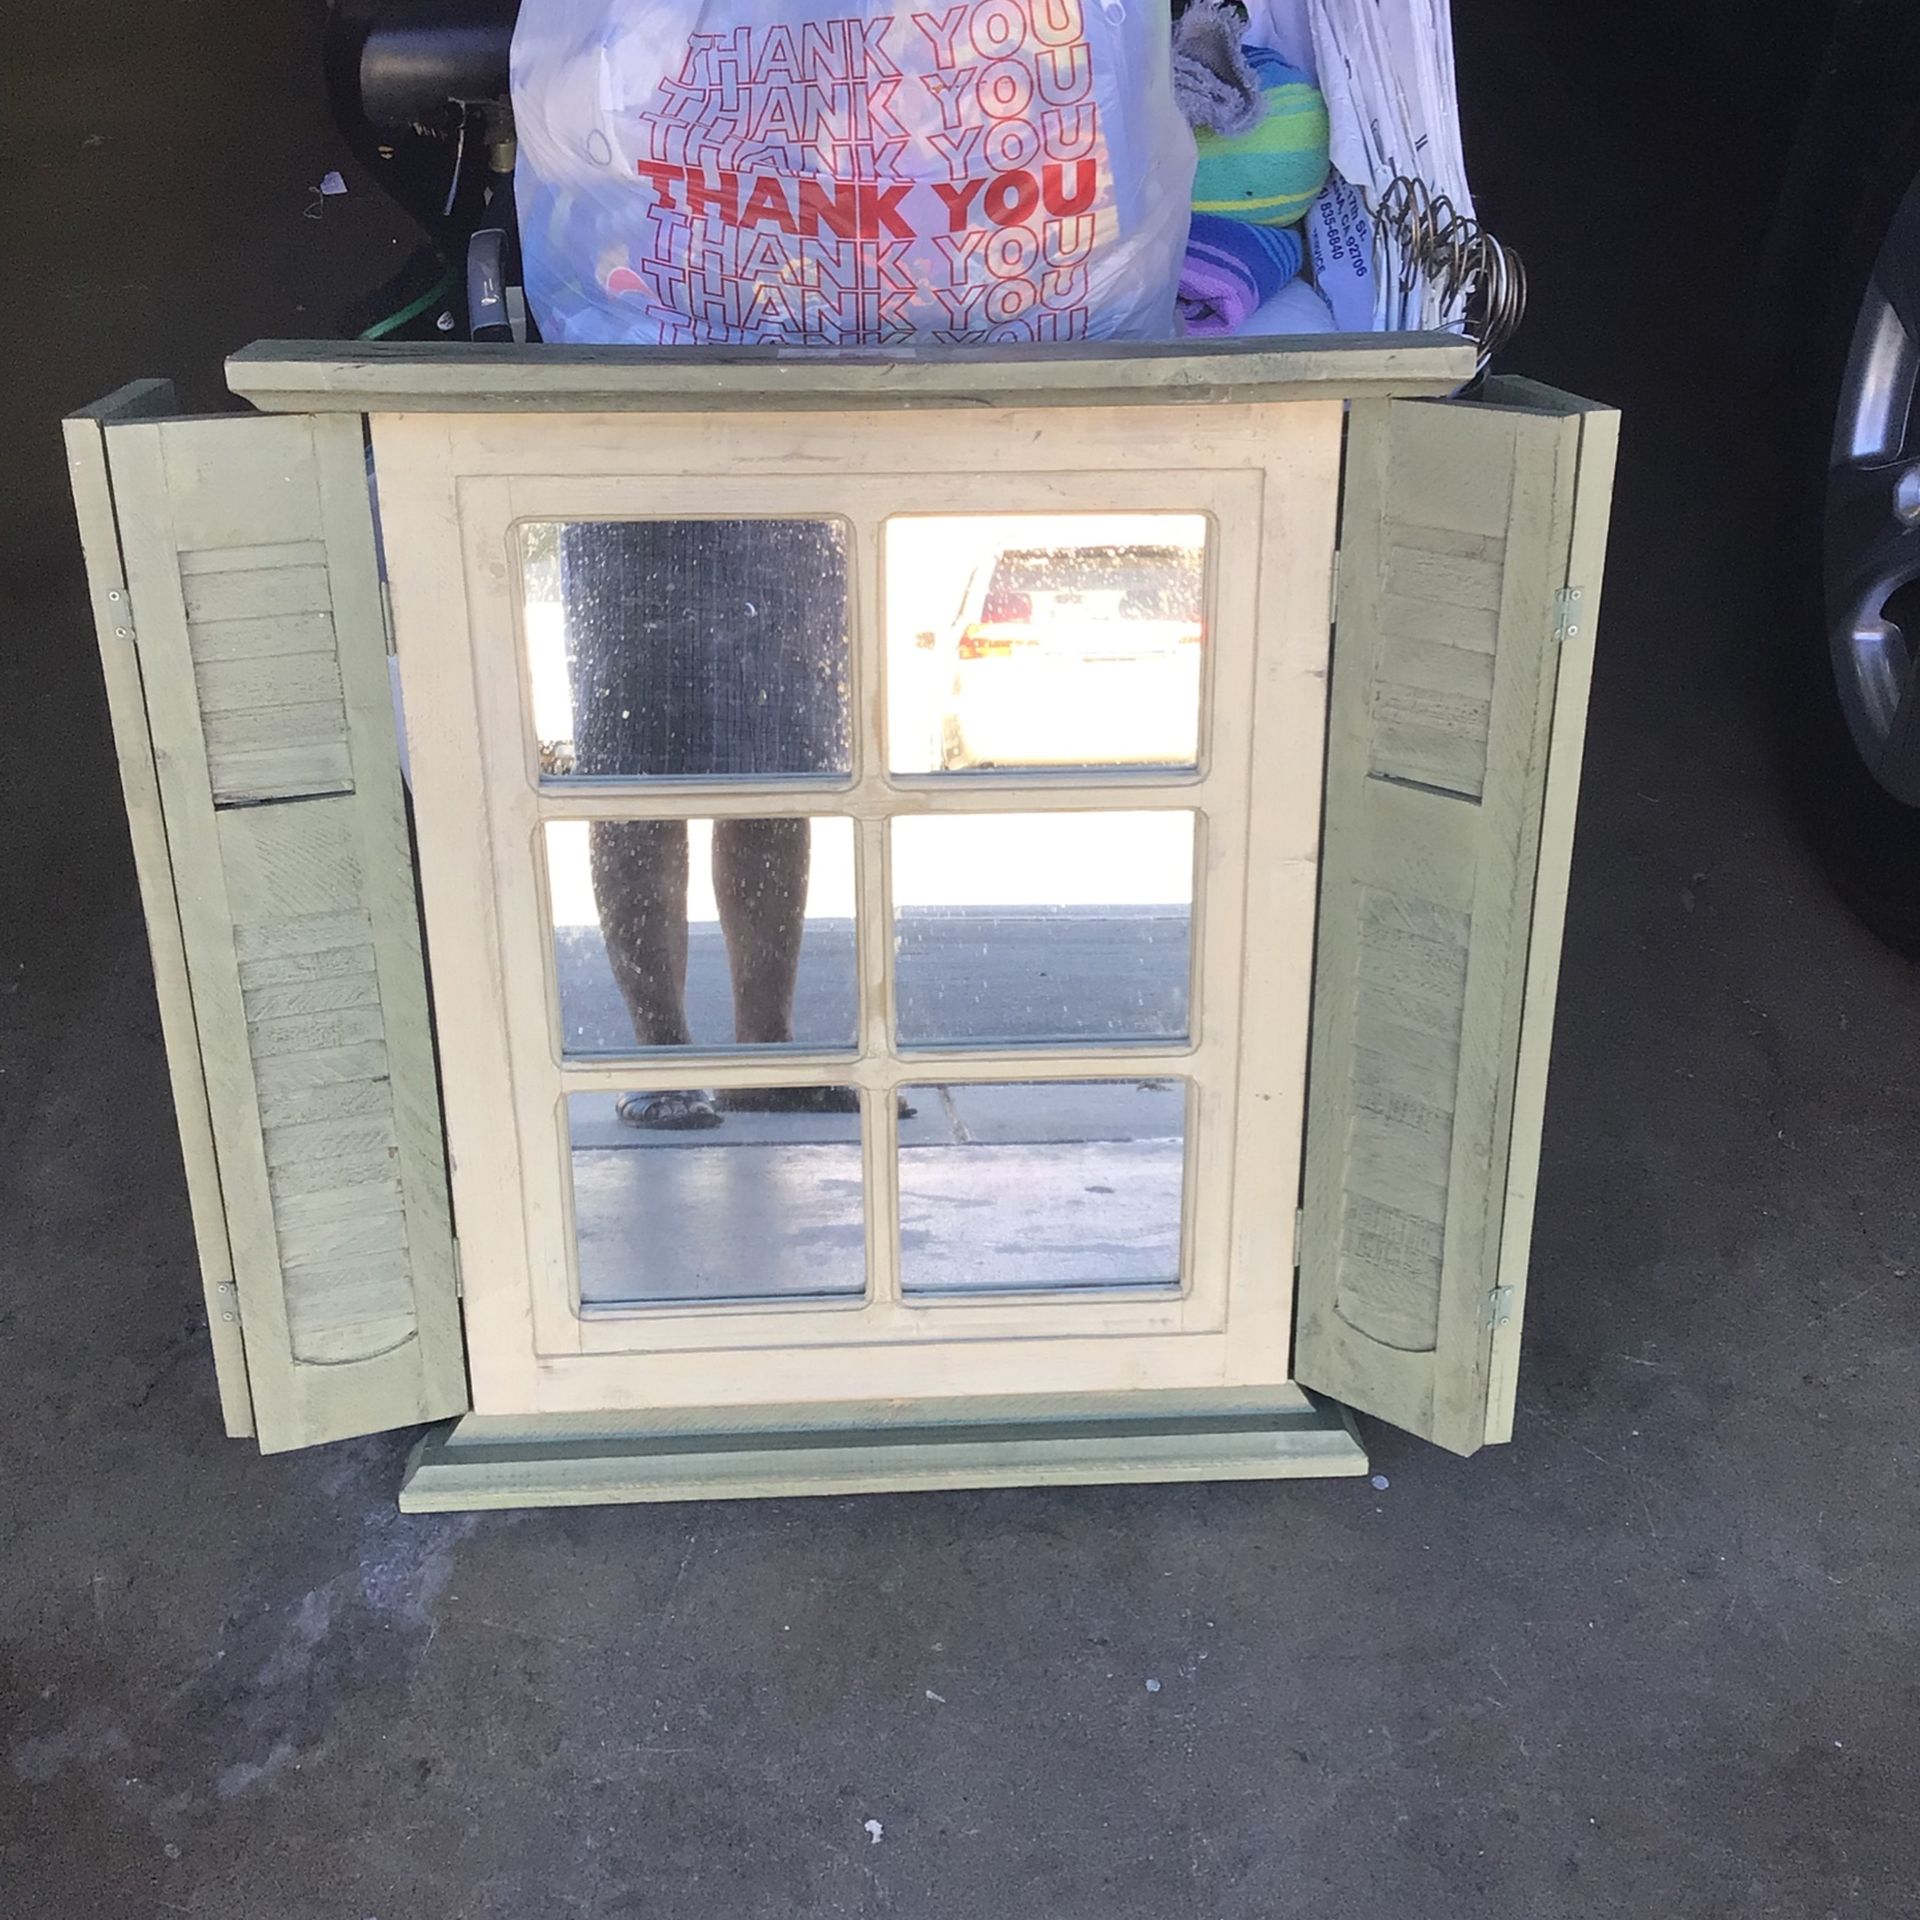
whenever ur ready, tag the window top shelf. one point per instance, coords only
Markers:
(318, 376)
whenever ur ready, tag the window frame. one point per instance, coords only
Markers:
(454, 487)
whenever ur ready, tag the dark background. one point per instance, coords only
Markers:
(1656, 1658)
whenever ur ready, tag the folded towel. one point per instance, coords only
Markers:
(1273, 172)
(1213, 82)
(1233, 267)
(1299, 307)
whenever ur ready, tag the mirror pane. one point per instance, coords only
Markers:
(1032, 1186)
(1042, 927)
(1044, 640)
(694, 649)
(754, 1194)
(673, 933)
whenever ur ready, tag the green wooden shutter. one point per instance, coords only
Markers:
(1471, 545)
(248, 552)
(140, 787)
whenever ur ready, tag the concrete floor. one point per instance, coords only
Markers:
(1656, 1658)
(724, 1218)
(963, 974)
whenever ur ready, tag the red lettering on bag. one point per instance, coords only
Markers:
(1066, 244)
(880, 209)
(1056, 22)
(778, 192)
(723, 199)
(776, 56)
(1010, 198)
(762, 254)
(1012, 253)
(769, 308)
(1005, 89)
(823, 50)
(881, 117)
(865, 159)
(950, 93)
(840, 212)
(874, 57)
(825, 115)
(1062, 89)
(663, 178)
(1070, 132)
(996, 27)
(959, 249)
(1062, 200)
(960, 303)
(1063, 287)
(719, 59)
(890, 268)
(940, 31)
(1008, 299)
(956, 149)
(865, 263)
(1011, 144)
(956, 200)
(767, 203)
(776, 116)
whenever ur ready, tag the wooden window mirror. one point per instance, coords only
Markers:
(1170, 808)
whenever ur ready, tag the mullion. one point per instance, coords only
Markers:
(877, 798)
(891, 1070)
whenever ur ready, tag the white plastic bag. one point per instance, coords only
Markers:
(830, 172)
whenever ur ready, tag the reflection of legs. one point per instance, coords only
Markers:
(760, 870)
(640, 883)
(760, 880)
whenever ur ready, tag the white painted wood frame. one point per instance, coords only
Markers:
(453, 487)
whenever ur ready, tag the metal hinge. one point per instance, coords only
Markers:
(1566, 615)
(459, 1278)
(1333, 592)
(386, 615)
(120, 606)
(1299, 1233)
(1499, 1306)
(229, 1301)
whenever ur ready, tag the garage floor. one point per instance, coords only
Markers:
(1657, 1658)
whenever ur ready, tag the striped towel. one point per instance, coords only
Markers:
(1273, 171)
(1232, 268)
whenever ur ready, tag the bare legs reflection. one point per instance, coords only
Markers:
(640, 885)
(760, 880)
(708, 649)
(760, 869)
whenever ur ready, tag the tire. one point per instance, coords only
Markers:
(1851, 710)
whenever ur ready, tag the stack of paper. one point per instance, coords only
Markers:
(1386, 68)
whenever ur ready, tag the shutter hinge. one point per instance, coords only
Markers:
(1299, 1234)
(1333, 592)
(1499, 1306)
(229, 1301)
(459, 1278)
(386, 615)
(1566, 615)
(120, 608)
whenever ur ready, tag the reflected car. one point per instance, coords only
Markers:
(1075, 656)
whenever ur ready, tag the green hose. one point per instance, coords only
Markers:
(411, 311)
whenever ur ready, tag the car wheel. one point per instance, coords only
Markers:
(1853, 707)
